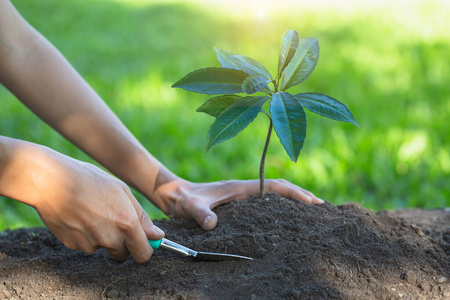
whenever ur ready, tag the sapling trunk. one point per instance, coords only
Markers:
(263, 162)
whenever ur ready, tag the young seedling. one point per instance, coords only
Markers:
(240, 74)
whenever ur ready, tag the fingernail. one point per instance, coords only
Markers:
(158, 230)
(320, 200)
(205, 221)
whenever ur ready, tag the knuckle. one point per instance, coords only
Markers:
(105, 241)
(124, 187)
(70, 245)
(118, 254)
(73, 245)
(270, 184)
(89, 249)
(144, 218)
(277, 182)
(143, 257)
(228, 184)
(126, 225)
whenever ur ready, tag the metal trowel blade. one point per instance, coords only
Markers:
(207, 256)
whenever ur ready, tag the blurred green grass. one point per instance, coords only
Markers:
(389, 63)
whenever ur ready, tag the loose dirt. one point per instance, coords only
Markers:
(300, 251)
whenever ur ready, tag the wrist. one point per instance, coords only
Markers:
(170, 193)
(153, 180)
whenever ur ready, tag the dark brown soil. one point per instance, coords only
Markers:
(301, 252)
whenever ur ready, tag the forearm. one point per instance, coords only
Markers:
(25, 168)
(32, 69)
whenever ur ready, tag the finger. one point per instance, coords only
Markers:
(120, 252)
(77, 241)
(315, 199)
(152, 232)
(113, 242)
(136, 240)
(138, 245)
(204, 217)
(292, 191)
(307, 195)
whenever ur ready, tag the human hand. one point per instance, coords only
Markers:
(86, 208)
(196, 200)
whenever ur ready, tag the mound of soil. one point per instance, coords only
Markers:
(300, 251)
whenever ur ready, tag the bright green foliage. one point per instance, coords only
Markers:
(234, 119)
(213, 81)
(289, 45)
(289, 121)
(250, 66)
(255, 83)
(326, 106)
(242, 74)
(302, 63)
(216, 105)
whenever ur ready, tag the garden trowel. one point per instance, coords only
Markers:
(198, 256)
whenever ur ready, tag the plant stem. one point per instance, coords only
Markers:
(263, 162)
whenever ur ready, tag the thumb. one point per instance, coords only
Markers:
(153, 232)
(205, 217)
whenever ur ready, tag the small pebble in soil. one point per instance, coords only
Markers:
(410, 277)
(113, 294)
(441, 279)
(367, 273)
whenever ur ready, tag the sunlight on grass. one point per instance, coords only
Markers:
(444, 160)
(413, 147)
(151, 92)
(146, 3)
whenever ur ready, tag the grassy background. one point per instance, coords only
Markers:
(388, 62)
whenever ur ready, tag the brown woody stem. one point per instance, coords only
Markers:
(263, 162)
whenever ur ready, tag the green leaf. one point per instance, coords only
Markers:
(255, 83)
(289, 44)
(222, 56)
(232, 60)
(234, 119)
(250, 65)
(289, 122)
(326, 106)
(302, 63)
(216, 105)
(213, 81)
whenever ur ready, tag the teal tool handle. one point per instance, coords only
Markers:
(155, 244)
(172, 246)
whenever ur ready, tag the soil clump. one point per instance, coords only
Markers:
(300, 251)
